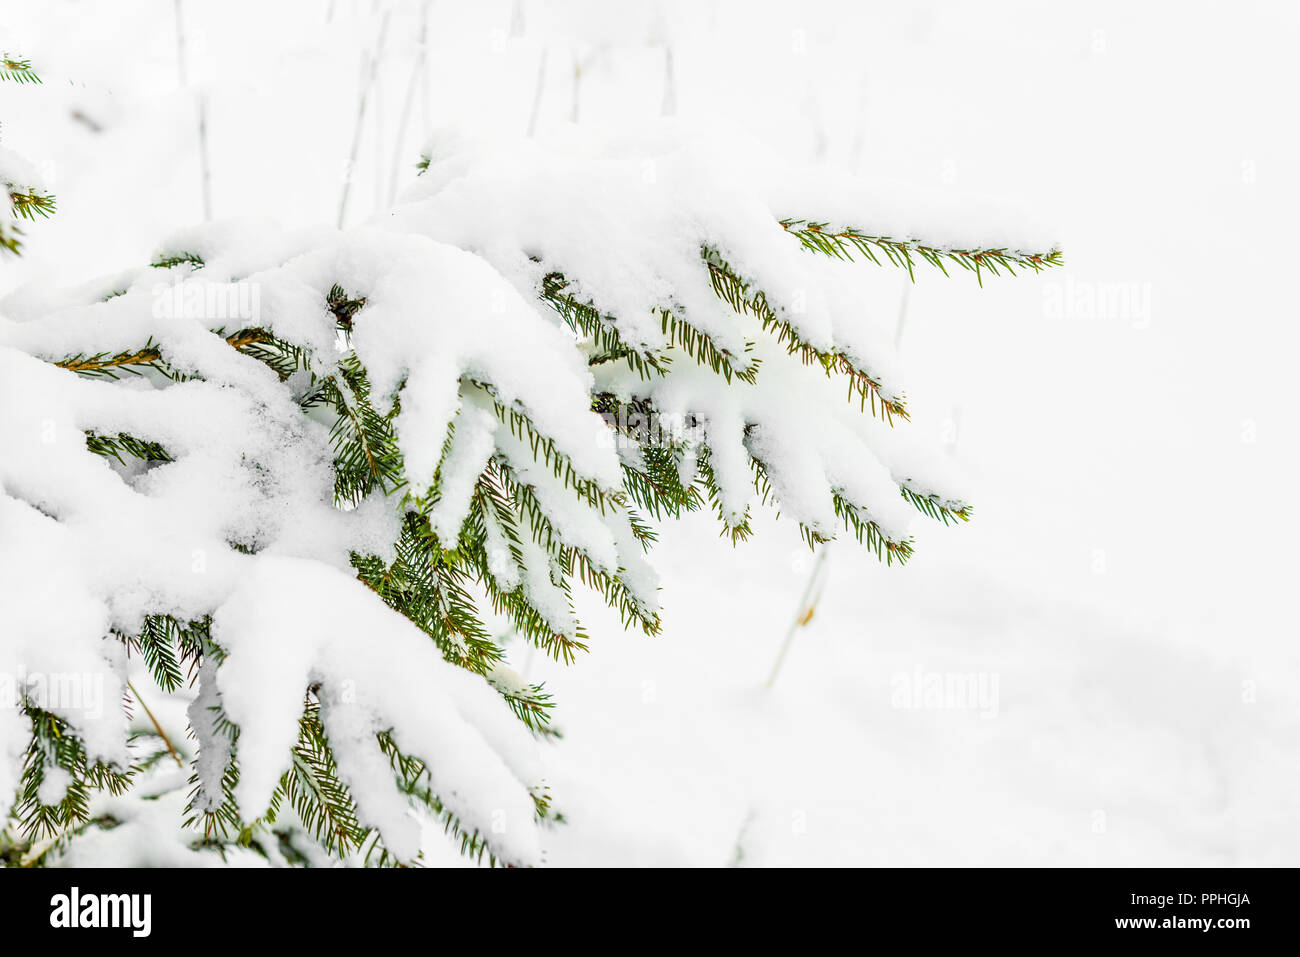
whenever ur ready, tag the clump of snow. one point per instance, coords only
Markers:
(19, 173)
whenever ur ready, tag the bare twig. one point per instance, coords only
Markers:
(158, 727)
(537, 94)
(205, 170)
(669, 106)
(369, 68)
(418, 70)
(807, 607)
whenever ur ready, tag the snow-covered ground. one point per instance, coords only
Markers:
(1121, 604)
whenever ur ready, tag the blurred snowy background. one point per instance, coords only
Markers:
(1124, 594)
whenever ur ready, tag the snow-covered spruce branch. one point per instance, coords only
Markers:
(737, 293)
(17, 70)
(27, 199)
(842, 241)
(325, 512)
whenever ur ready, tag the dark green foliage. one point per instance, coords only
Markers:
(840, 243)
(16, 70)
(737, 293)
(123, 446)
(55, 746)
(178, 259)
(447, 587)
(24, 201)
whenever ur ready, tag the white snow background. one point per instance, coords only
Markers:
(1127, 579)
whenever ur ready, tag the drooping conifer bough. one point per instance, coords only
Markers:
(325, 478)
